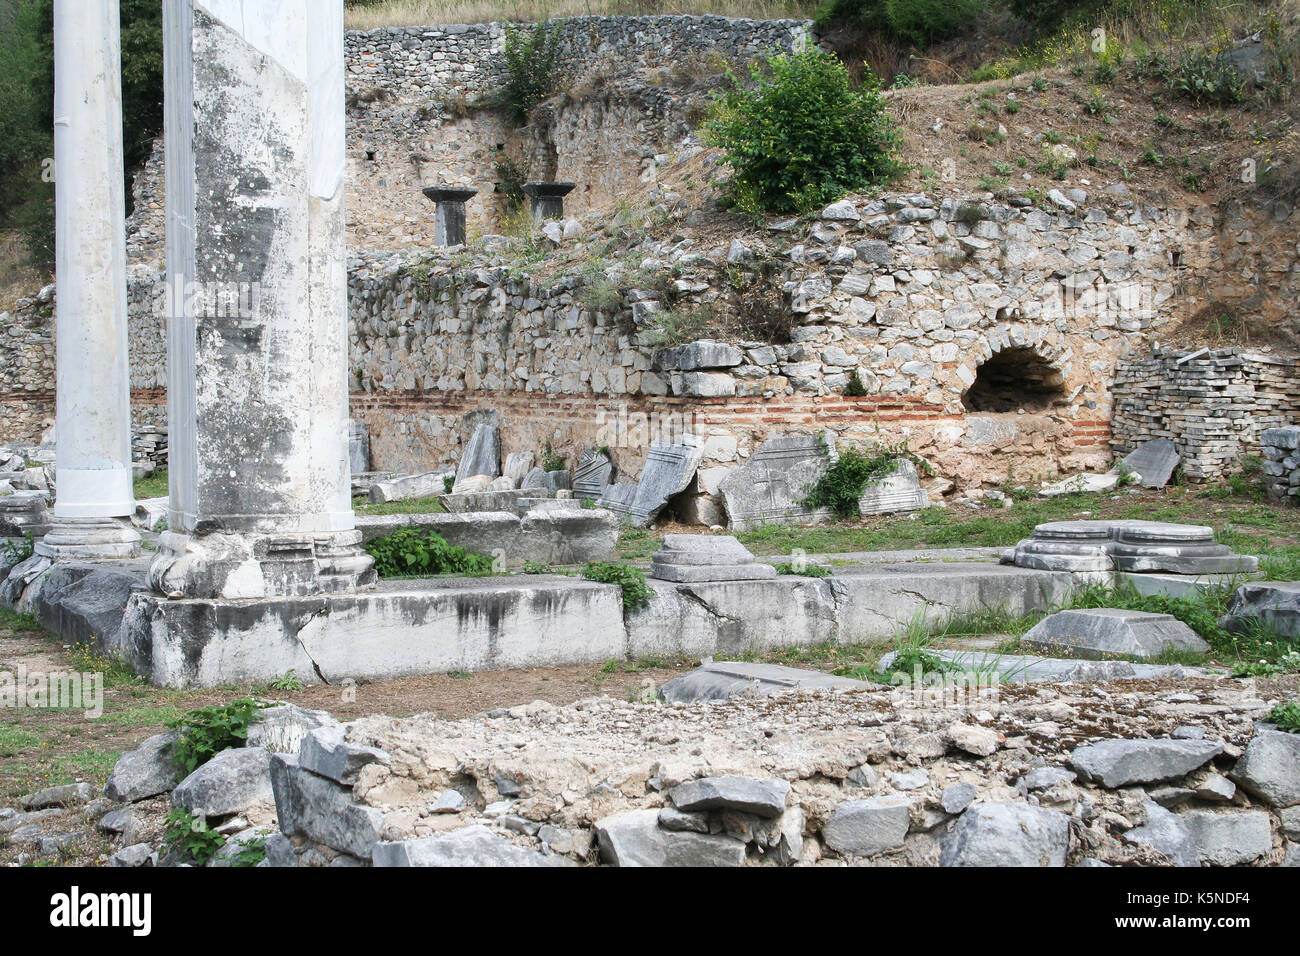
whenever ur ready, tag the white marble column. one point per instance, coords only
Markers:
(94, 497)
(257, 337)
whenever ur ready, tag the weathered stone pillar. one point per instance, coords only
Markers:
(449, 216)
(94, 497)
(547, 199)
(257, 344)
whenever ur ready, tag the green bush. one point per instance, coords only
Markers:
(27, 118)
(207, 731)
(855, 388)
(923, 22)
(1205, 79)
(800, 134)
(1286, 716)
(531, 76)
(636, 593)
(419, 552)
(190, 837)
(840, 486)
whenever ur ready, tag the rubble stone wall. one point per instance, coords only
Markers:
(913, 293)
(1214, 405)
(1281, 452)
(421, 111)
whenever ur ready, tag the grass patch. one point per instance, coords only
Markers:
(18, 623)
(635, 543)
(409, 506)
(141, 716)
(1279, 550)
(152, 486)
(117, 673)
(14, 740)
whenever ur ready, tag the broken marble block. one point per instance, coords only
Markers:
(472, 484)
(702, 557)
(593, 475)
(482, 454)
(1275, 604)
(424, 485)
(1136, 546)
(518, 464)
(1101, 633)
(1080, 483)
(24, 512)
(1153, 462)
(900, 490)
(719, 680)
(668, 471)
(539, 479)
(771, 486)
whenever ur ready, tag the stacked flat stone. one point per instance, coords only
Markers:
(1281, 450)
(1213, 406)
(1137, 546)
(149, 444)
(699, 557)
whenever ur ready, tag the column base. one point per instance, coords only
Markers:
(241, 566)
(89, 539)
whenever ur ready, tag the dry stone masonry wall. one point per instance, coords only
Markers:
(1215, 405)
(1281, 450)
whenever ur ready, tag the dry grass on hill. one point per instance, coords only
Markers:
(428, 12)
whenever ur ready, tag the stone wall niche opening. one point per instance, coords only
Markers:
(1015, 379)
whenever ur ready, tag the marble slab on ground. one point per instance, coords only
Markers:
(1101, 633)
(1080, 483)
(900, 490)
(1026, 668)
(771, 486)
(703, 557)
(1154, 462)
(720, 680)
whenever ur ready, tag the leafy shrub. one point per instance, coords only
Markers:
(801, 134)
(1205, 79)
(1286, 716)
(207, 731)
(855, 388)
(287, 681)
(925, 21)
(190, 837)
(841, 484)
(419, 552)
(636, 593)
(551, 459)
(12, 552)
(530, 68)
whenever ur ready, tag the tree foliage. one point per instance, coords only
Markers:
(800, 134)
(27, 110)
